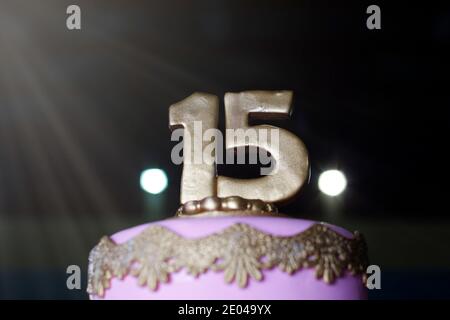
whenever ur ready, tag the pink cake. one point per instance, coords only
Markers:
(228, 240)
(240, 256)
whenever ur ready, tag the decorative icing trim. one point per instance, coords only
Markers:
(240, 250)
(226, 206)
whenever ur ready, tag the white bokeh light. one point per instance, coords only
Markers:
(153, 181)
(332, 182)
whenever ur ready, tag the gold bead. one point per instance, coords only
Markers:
(233, 203)
(191, 207)
(258, 205)
(210, 204)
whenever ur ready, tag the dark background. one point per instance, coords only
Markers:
(83, 113)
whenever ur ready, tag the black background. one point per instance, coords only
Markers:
(82, 113)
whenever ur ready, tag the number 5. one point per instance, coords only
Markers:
(291, 157)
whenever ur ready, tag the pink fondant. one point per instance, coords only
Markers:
(276, 284)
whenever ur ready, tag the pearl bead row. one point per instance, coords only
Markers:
(233, 203)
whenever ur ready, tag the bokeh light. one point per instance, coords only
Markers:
(332, 182)
(153, 181)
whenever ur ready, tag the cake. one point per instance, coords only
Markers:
(226, 243)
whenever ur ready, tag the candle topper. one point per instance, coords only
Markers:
(199, 181)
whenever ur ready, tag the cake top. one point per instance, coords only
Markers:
(239, 230)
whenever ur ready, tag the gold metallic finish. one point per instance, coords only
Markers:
(291, 157)
(240, 251)
(290, 169)
(233, 204)
(211, 204)
(222, 213)
(199, 177)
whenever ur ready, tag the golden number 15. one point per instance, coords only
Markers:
(291, 158)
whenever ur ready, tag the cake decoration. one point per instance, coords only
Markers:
(213, 206)
(197, 117)
(230, 228)
(238, 251)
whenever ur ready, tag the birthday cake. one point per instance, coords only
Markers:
(228, 240)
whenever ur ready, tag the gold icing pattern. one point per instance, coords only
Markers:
(240, 251)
